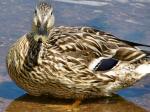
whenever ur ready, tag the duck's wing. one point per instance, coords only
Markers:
(95, 42)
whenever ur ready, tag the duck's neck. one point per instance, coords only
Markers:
(34, 48)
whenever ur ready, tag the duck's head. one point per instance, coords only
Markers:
(43, 19)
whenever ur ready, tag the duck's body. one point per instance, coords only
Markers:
(75, 62)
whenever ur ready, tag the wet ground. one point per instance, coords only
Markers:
(128, 19)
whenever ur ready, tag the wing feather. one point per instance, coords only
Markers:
(97, 43)
(128, 54)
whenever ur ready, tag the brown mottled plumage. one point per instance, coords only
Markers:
(73, 62)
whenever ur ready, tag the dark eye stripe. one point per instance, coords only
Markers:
(35, 11)
(106, 64)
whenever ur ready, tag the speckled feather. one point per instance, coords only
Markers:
(60, 66)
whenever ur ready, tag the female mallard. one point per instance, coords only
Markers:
(73, 62)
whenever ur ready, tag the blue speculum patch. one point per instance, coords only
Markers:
(106, 64)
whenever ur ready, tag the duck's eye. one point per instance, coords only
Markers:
(35, 11)
(106, 64)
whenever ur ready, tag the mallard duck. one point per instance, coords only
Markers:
(73, 62)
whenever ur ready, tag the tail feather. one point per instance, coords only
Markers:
(137, 44)
(146, 52)
(133, 43)
(143, 70)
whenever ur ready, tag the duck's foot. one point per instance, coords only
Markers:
(74, 106)
(69, 108)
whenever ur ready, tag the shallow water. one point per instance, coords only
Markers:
(128, 19)
(28, 103)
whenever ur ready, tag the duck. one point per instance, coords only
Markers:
(73, 62)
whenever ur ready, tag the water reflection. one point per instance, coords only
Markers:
(27, 103)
